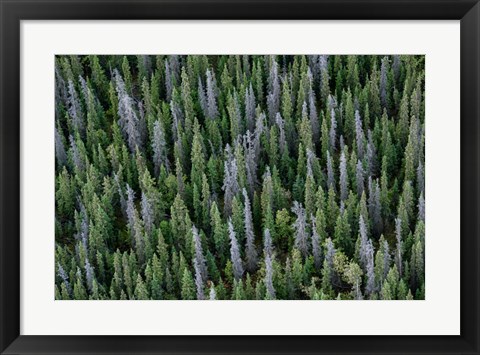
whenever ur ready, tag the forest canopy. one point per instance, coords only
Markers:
(239, 177)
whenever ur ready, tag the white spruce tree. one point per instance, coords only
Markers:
(384, 80)
(300, 229)
(359, 135)
(212, 110)
(370, 268)
(328, 272)
(159, 148)
(131, 210)
(235, 257)
(177, 116)
(142, 126)
(273, 97)
(60, 153)
(281, 127)
(212, 294)
(259, 129)
(200, 261)
(316, 246)
(421, 207)
(168, 81)
(343, 177)
(64, 277)
(230, 184)
(331, 102)
(75, 109)
(139, 239)
(83, 230)
(85, 90)
(198, 280)
(128, 116)
(271, 294)
(148, 214)
(333, 131)
(420, 177)
(311, 159)
(268, 254)
(267, 242)
(77, 157)
(250, 249)
(89, 275)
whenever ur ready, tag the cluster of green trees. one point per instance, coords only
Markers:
(239, 177)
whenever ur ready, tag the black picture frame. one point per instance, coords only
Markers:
(14, 11)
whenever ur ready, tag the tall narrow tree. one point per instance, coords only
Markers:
(250, 249)
(300, 227)
(235, 253)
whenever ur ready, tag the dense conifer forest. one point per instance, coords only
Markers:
(239, 177)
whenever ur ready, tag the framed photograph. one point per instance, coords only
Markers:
(239, 177)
